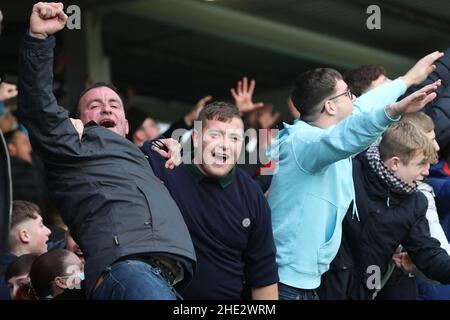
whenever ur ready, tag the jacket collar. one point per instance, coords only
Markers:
(378, 188)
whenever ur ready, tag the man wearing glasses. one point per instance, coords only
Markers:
(313, 188)
(347, 94)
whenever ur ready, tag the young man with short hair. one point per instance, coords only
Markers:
(224, 209)
(27, 234)
(313, 188)
(365, 77)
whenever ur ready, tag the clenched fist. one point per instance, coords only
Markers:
(47, 18)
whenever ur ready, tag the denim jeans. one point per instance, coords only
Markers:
(134, 280)
(290, 293)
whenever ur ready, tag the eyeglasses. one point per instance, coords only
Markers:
(347, 93)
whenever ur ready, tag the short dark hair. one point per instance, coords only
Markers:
(360, 78)
(21, 266)
(311, 88)
(23, 210)
(136, 118)
(10, 136)
(44, 270)
(220, 110)
(99, 84)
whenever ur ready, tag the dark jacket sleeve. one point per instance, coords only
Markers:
(156, 161)
(439, 109)
(426, 252)
(52, 134)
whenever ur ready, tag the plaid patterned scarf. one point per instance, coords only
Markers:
(377, 165)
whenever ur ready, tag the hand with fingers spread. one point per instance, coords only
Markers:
(266, 117)
(193, 114)
(173, 153)
(7, 91)
(46, 19)
(415, 101)
(420, 71)
(243, 95)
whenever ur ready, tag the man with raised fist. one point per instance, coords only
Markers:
(131, 231)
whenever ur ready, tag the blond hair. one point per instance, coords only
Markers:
(420, 119)
(405, 139)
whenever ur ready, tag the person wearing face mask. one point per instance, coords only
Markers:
(17, 277)
(58, 274)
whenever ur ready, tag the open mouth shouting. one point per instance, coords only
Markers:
(220, 158)
(107, 123)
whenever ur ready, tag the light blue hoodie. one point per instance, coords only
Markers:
(313, 188)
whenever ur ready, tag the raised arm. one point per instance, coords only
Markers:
(357, 132)
(51, 132)
(243, 96)
(390, 92)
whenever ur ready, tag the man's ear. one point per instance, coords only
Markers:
(127, 127)
(24, 235)
(393, 163)
(60, 283)
(330, 107)
(12, 149)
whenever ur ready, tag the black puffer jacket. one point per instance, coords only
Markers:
(387, 220)
(102, 184)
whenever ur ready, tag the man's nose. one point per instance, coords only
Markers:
(225, 143)
(436, 146)
(426, 170)
(106, 108)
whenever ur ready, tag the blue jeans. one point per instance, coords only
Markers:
(290, 293)
(134, 280)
